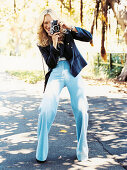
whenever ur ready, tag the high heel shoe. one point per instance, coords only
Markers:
(40, 161)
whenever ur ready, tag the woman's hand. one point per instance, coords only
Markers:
(55, 37)
(64, 26)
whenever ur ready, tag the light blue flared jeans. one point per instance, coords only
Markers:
(59, 78)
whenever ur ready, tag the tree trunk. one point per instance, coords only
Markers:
(14, 7)
(61, 9)
(121, 16)
(120, 13)
(70, 7)
(81, 12)
(123, 74)
(47, 3)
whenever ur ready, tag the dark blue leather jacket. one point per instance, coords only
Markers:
(71, 52)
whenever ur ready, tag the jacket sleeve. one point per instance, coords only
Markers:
(50, 55)
(82, 35)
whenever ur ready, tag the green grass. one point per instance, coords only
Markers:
(31, 77)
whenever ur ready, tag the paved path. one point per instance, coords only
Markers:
(107, 132)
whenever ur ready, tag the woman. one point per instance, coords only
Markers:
(65, 63)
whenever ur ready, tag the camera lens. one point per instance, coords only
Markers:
(56, 28)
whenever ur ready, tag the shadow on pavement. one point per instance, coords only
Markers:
(18, 122)
(108, 125)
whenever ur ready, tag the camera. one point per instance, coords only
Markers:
(55, 27)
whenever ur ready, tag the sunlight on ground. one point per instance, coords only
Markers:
(2, 159)
(95, 163)
(22, 137)
(60, 125)
(23, 151)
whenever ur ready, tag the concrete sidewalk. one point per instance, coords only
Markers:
(107, 132)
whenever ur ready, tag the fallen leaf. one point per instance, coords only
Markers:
(63, 131)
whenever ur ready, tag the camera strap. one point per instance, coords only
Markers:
(43, 65)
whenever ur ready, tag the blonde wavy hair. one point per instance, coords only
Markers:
(42, 37)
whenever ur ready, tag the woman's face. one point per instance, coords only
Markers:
(47, 23)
